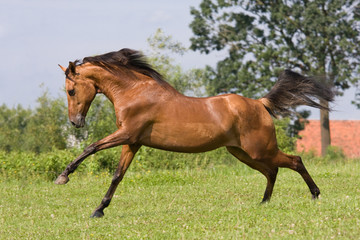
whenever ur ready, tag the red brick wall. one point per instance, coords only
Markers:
(344, 134)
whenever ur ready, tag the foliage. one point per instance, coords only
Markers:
(45, 129)
(50, 164)
(213, 203)
(261, 38)
(36, 130)
(285, 141)
(13, 124)
(334, 153)
(27, 164)
(162, 48)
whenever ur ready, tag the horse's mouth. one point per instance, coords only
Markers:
(79, 121)
(78, 125)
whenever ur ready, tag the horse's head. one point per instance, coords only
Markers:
(80, 92)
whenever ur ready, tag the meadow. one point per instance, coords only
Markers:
(216, 201)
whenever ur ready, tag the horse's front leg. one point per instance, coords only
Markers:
(127, 154)
(115, 139)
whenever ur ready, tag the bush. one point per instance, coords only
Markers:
(334, 153)
(286, 142)
(150, 158)
(50, 165)
(24, 164)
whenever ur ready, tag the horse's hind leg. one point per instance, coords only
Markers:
(127, 154)
(265, 168)
(295, 163)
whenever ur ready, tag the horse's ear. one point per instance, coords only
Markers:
(62, 68)
(72, 67)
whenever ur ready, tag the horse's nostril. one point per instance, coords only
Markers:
(73, 123)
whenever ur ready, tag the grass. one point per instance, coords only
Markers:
(221, 202)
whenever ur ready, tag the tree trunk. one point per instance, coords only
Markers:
(325, 128)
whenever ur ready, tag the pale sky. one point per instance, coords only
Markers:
(37, 35)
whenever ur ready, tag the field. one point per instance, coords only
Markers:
(217, 202)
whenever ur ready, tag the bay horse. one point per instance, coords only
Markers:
(152, 113)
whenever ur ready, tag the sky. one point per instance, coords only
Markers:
(37, 35)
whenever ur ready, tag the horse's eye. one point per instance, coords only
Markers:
(71, 92)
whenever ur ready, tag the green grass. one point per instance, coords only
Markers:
(221, 202)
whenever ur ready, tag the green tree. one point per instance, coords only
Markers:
(264, 37)
(36, 130)
(46, 127)
(13, 123)
(162, 48)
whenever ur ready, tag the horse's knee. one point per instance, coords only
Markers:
(298, 164)
(288, 161)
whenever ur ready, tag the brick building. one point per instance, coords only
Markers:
(344, 134)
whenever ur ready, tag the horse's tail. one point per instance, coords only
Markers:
(293, 89)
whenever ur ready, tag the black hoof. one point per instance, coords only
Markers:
(265, 200)
(315, 194)
(62, 179)
(97, 214)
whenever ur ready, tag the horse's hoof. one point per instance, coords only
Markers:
(314, 197)
(315, 194)
(97, 214)
(62, 179)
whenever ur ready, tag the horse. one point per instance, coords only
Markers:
(150, 112)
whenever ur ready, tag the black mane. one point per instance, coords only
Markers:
(127, 58)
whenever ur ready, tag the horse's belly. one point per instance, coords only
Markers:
(189, 137)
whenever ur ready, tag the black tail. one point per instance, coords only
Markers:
(293, 89)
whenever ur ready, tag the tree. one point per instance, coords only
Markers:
(162, 47)
(13, 123)
(46, 126)
(36, 130)
(264, 37)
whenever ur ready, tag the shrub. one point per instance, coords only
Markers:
(285, 141)
(334, 153)
(23, 164)
(50, 165)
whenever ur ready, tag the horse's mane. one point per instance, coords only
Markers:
(128, 58)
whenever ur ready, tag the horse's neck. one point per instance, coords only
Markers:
(117, 88)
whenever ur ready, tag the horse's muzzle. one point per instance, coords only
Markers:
(78, 121)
